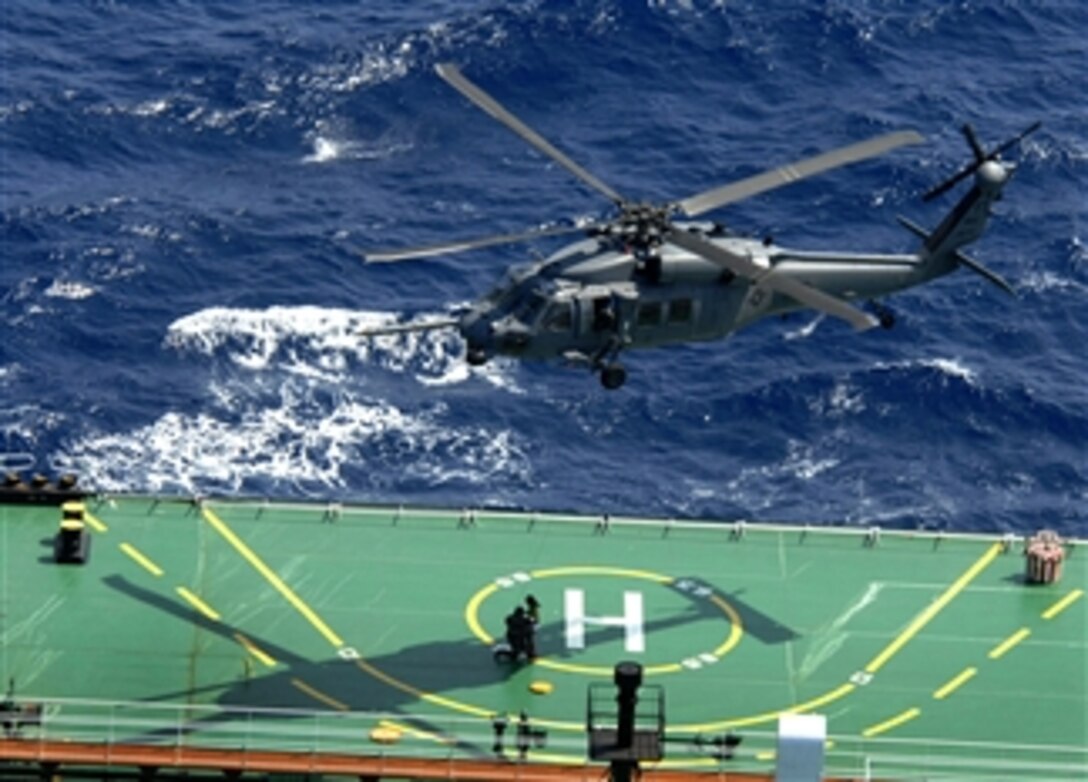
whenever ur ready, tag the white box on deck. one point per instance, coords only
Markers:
(801, 740)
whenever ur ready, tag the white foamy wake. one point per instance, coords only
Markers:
(294, 407)
(300, 438)
(327, 148)
(323, 344)
(949, 367)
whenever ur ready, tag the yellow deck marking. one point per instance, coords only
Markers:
(270, 575)
(768, 716)
(734, 634)
(591, 570)
(438, 700)
(1063, 604)
(96, 523)
(316, 694)
(199, 604)
(414, 732)
(954, 683)
(472, 618)
(933, 609)
(141, 560)
(894, 722)
(999, 650)
(472, 613)
(253, 649)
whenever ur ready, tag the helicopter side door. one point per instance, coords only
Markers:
(604, 311)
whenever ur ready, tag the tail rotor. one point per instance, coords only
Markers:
(981, 157)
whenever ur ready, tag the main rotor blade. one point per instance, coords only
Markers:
(768, 278)
(769, 180)
(406, 328)
(453, 76)
(446, 248)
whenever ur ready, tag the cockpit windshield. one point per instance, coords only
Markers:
(529, 308)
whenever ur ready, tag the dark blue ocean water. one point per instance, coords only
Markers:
(184, 184)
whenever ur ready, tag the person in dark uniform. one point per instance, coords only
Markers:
(532, 609)
(520, 634)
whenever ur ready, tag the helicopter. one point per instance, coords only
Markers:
(646, 279)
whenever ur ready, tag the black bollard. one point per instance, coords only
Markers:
(627, 678)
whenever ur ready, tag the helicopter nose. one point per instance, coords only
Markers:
(478, 335)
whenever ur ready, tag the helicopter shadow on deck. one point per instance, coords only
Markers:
(431, 667)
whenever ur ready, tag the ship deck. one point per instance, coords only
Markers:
(260, 625)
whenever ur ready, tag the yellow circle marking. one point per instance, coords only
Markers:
(472, 617)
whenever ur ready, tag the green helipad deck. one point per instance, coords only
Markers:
(199, 624)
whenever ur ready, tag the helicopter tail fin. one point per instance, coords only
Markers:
(961, 259)
(968, 218)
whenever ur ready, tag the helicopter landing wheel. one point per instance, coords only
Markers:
(613, 376)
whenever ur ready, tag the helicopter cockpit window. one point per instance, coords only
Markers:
(680, 311)
(560, 318)
(529, 308)
(649, 314)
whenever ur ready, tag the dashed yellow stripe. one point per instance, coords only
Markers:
(317, 695)
(272, 578)
(1063, 604)
(999, 650)
(94, 522)
(199, 604)
(894, 722)
(934, 608)
(253, 649)
(141, 560)
(955, 683)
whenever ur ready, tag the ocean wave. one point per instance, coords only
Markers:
(299, 436)
(324, 343)
(182, 185)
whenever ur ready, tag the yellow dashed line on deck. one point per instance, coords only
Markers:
(96, 523)
(934, 608)
(270, 575)
(199, 604)
(1063, 604)
(316, 694)
(894, 722)
(999, 650)
(253, 649)
(955, 683)
(141, 560)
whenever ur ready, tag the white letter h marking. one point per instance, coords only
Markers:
(574, 604)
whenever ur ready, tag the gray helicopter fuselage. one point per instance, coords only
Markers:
(571, 304)
(598, 295)
(644, 279)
